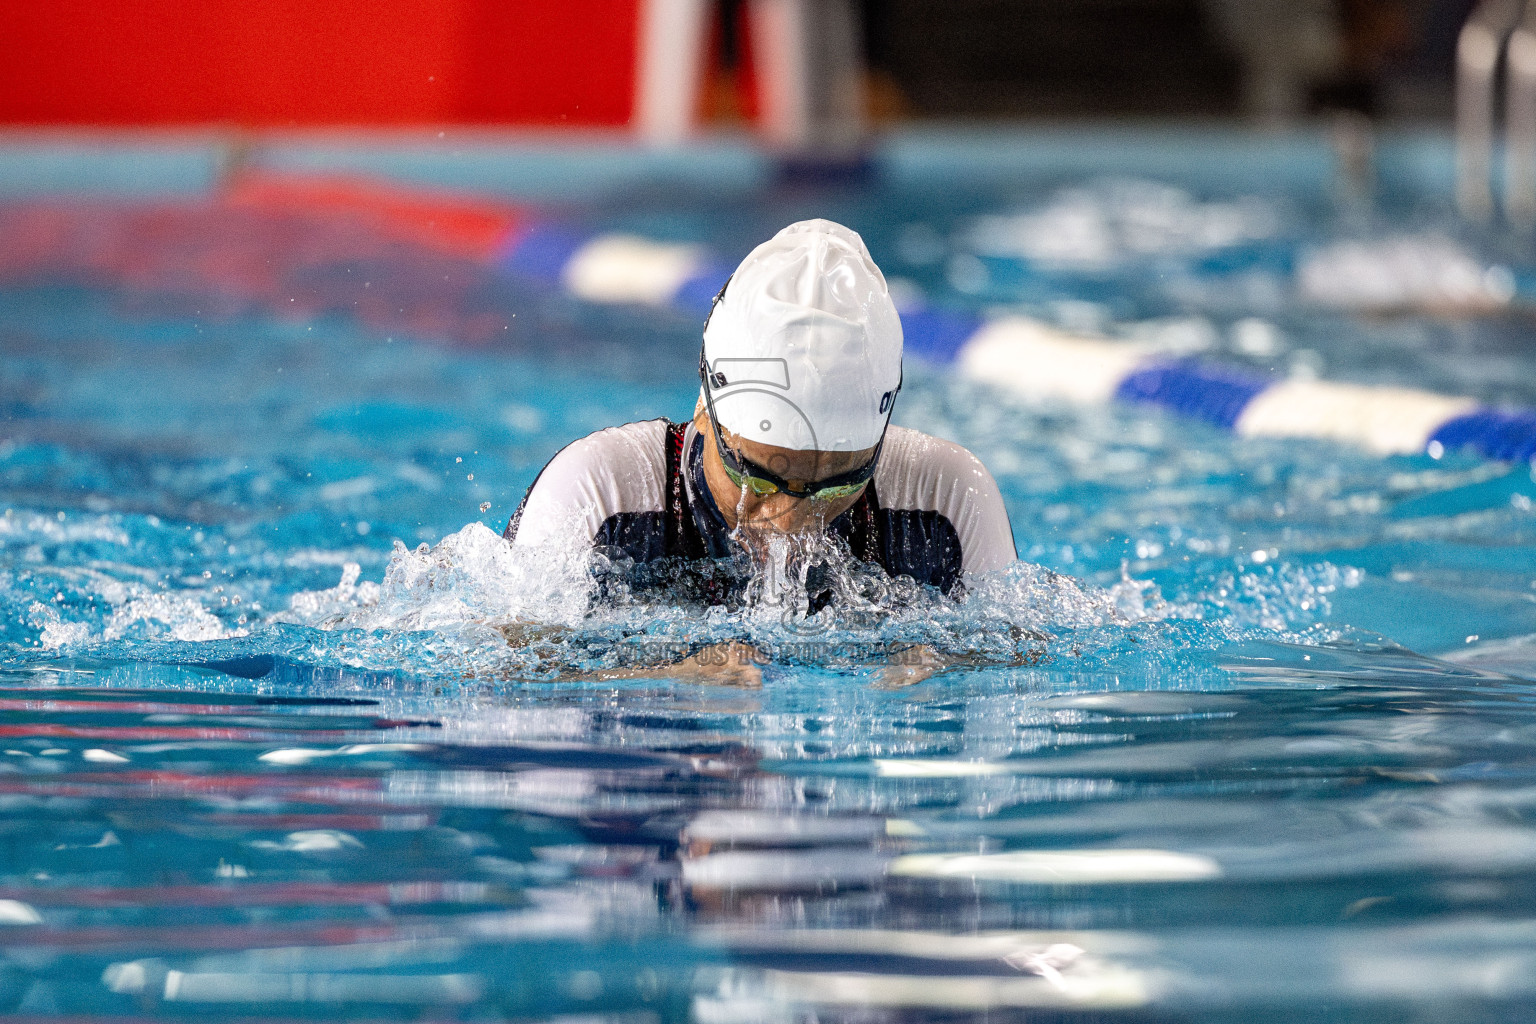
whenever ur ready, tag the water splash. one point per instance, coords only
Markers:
(1275, 598)
(476, 606)
(472, 576)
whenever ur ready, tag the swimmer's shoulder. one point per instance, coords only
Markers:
(923, 474)
(614, 471)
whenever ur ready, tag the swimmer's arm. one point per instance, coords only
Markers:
(910, 664)
(520, 633)
(733, 663)
(738, 664)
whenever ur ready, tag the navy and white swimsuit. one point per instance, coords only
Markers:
(637, 492)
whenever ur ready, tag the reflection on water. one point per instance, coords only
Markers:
(1348, 823)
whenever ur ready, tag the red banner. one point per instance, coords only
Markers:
(275, 63)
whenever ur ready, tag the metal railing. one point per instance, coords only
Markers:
(1486, 40)
(1520, 123)
(809, 64)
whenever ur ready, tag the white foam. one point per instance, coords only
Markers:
(176, 616)
(1030, 595)
(147, 614)
(469, 577)
(1277, 598)
(56, 632)
(321, 607)
(473, 589)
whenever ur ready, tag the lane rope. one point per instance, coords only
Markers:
(268, 233)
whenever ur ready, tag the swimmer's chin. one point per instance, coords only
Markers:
(756, 534)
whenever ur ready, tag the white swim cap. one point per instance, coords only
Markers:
(804, 347)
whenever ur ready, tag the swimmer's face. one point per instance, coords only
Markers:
(779, 512)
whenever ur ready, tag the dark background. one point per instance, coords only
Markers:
(1391, 59)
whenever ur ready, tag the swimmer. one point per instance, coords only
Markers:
(791, 439)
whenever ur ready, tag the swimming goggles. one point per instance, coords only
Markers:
(761, 481)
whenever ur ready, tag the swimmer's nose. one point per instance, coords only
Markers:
(785, 514)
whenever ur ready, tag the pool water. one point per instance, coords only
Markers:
(1249, 734)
